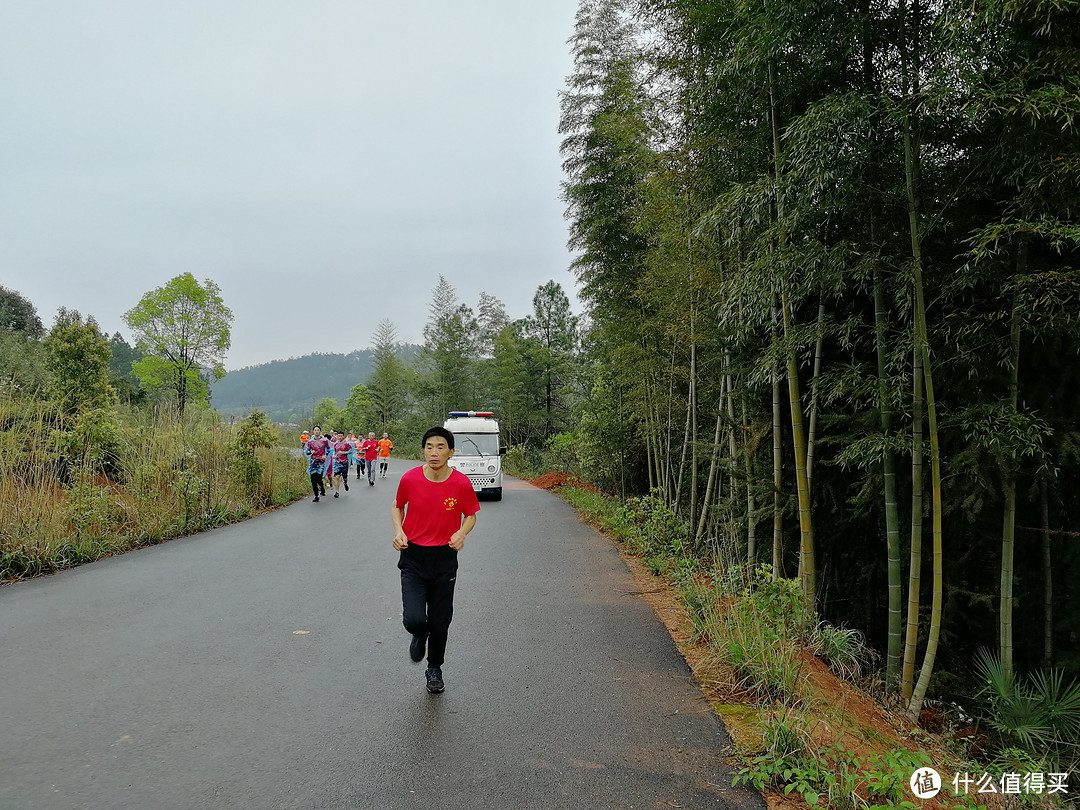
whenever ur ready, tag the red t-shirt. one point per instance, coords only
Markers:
(434, 509)
(370, 448)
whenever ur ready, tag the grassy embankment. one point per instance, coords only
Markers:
(802, 700)
(72, 494)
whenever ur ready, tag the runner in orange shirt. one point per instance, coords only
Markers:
(385, 446)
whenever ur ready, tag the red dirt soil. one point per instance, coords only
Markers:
(554, 480)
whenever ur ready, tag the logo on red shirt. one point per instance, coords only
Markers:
(450, 503)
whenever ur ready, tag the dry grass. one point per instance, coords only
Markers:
(74, 491)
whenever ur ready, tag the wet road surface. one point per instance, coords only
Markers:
(264, 665)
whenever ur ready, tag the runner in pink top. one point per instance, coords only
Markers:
(341, 450)
(317, 448)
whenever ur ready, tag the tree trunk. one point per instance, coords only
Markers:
(1008, 530)
(807, 565)
(682, 456)
(622, 453)
(778, 471)
(733, 447)
(693, 435)
(751, 505)
(892, 518)
(713, 464)
(812, 432)
(915, 562)
(1048, 581)
(911, 179)
(669, 472)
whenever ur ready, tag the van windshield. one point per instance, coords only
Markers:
(476, 444)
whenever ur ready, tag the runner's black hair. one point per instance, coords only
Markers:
(442, 433)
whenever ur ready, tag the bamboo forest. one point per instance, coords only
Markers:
(829, 257)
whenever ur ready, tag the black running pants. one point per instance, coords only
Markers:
(428, 576)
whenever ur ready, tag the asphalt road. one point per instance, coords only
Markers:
(264, 665)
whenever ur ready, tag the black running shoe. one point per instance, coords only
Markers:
(434, 680)
(316, 499)
(416, 648)
(336, 494)
(346, 486)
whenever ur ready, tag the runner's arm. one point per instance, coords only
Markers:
(401, 542)
(457, 539)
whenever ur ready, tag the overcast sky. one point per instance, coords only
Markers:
(323, 162)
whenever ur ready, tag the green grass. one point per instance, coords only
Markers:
(72, 491)
(759, 630)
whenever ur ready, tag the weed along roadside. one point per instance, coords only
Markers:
(800, 698)
(139, 479)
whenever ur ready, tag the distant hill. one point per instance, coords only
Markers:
(287, 390)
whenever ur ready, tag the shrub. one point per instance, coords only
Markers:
(844, 649)
(1039, 714)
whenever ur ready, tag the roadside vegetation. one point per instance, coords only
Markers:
(105, 447)
(805, 701)
(111, 481)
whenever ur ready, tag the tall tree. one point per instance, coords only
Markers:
(18, 314)
(77, 355)
(360, 409)
(328, 415)
(183, 328)
(552, 332)
(450, 352)
(606, 159)
(124, 357)
(389, 379)
(492, 319)
(22, 367)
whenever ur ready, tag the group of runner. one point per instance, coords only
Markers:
(330, 456)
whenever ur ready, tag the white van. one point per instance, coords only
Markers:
(477, 450)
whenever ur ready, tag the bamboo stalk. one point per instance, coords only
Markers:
(778, 470)
(807, 563)
(911, 176)
(892, 520)
(1048, 580)
(812, 431)
(1008, 530)
(751, 506)
(713, 464)
(915, 562)
(693, 434)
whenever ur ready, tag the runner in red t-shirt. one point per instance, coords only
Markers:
(435, 508)
(371, 450)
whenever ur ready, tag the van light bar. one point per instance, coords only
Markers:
(472, 413)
